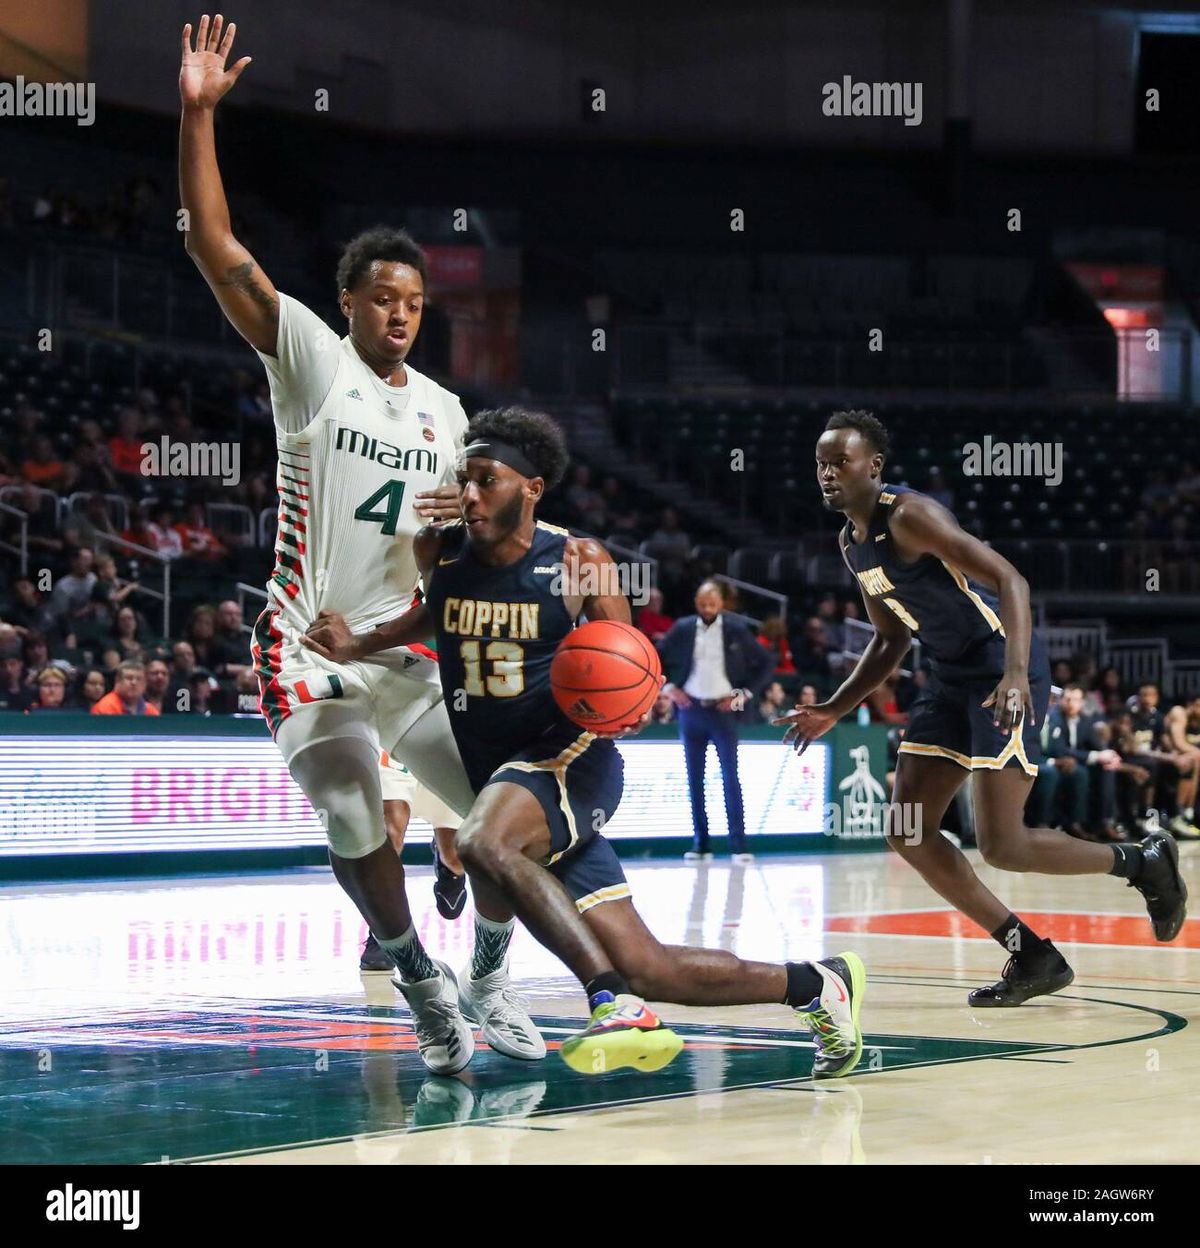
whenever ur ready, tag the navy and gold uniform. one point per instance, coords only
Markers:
(957, 621)
(497, 630)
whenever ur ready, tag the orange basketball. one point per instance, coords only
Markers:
(605, 676)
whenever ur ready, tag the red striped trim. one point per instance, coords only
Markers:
(418, 647)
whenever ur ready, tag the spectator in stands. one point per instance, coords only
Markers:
(672, 547)
(110, 660)
(71, 600)
(125, 450)
(1085, 765)
(230, 653)
(129, 635)
(43, 468)
(200, 632)
(94, 526)
(15, 694)
(89, 467)
(204, 692)
(826, 611)
(773, 635)
(808, 696)
(1135, 777)
(882, 702)
(128, 693)
(586, 500)
(664, 709)
(146, 529)
(35, 650)
(51, 691)
(92, 688)
(1062, 674)
(938, 490)
(198, 540)
(41, 521)
(110, 591)
(1109, 682)
(246, 688)
(714, 666)
(1182, 738)
(158, 680)
(183, 663)
(650, 618)
(811, 653)
(773, 703)
(28, 611)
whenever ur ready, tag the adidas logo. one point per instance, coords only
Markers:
(354, 394)
(582, 709)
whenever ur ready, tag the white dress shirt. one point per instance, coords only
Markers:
(708, 681)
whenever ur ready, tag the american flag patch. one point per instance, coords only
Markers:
(426, 418)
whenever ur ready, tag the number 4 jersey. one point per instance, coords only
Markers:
(354, 452)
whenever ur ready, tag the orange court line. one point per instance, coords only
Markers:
(1080, 929)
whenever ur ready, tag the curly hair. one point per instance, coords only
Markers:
(539, 438)
(379, 243)
(865, 425)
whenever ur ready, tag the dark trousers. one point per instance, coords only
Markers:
(697, 727)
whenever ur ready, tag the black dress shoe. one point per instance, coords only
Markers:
(1162, 885)
(1024, 978)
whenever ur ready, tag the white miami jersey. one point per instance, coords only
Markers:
(354, 452)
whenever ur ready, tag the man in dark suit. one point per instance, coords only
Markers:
(714, 667)
(1078, 746)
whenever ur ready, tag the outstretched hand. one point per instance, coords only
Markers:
(805, 724)
(203, 78)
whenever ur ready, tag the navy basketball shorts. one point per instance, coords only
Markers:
(950, 721)
(577, 780)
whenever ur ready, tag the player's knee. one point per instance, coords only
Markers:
(485, 847)
(1003, 853)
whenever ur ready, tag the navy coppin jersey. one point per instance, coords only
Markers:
(497, 631)
(955, 619)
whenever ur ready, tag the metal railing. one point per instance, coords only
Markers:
(21, 550)
(1075, 565)
(255, 591)
(144, 552)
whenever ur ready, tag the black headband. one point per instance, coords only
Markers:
(503, 452)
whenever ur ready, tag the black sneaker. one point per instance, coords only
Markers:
(373, 958)
(449, 890)
(1162, 886)
(1024, 978)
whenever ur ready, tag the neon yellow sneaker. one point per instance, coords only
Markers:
(621, 1032)
(833, 1016)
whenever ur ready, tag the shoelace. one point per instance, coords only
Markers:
(510, 1009)
(829, 1039)
(435, 1022)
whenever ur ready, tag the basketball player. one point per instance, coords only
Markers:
(360, 434)
(531, 843)
(403, 797)
(1181, 732)
(920, 573)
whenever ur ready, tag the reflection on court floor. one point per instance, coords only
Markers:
(222, 1019)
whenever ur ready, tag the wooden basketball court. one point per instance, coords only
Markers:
(225, 1020)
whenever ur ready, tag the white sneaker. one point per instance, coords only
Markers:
(443, 1036)
(694, 855)
(741, 858)
(493, 1004)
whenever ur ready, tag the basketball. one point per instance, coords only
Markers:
(605, 676)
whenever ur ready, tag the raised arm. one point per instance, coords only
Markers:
(244, 292)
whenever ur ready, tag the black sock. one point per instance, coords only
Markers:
(1019, 939)
(804, 982)
(1127, 861)
(610, 982)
